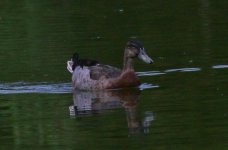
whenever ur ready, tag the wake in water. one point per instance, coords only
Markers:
(220, 66)
(39, 87)
(45, 87)
(158, 73)
(61, 88)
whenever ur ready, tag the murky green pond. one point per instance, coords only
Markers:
(182, 102)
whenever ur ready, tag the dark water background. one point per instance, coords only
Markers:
(181, 104)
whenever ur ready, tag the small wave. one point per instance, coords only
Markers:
(183, 70)
(150, 73)
(147, 86)
(48, 88)
(158, 73)
(40, 87)
(59, 88)
(219, 66)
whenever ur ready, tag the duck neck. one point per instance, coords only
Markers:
(128, 62)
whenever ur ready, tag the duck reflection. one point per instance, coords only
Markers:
(88, 103)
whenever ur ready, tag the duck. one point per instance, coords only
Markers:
(97, 76)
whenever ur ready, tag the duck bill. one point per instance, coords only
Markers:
(144, 57)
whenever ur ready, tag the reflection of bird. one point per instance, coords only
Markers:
(82, 62)
(99, 101)
(87, 103)
(90, 75)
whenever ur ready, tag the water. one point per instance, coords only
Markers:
(181, 103)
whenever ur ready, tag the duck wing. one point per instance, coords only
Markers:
(104, 71)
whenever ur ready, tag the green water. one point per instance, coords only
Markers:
(183, 94)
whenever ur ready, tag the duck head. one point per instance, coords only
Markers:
(135, 49)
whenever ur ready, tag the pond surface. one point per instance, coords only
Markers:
(182, 102)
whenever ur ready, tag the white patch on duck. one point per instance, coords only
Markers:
(81, 78)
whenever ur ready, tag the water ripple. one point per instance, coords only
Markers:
(195, 69)
(150, 73)
(40, 87)
(59, 88)
(157, 73)
(147, 86)
(48, 88)
(183, 70)
(219, 66)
